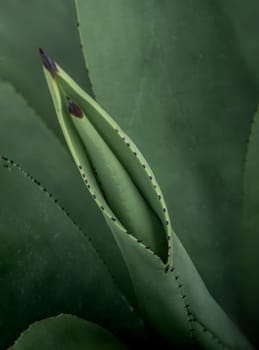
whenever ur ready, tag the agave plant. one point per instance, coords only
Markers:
(94, 260)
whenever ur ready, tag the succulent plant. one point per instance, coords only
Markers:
(95, 261)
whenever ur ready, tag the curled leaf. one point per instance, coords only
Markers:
(115, 172)
(173, 299)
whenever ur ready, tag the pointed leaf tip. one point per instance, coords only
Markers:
(48, 63)
(74, 109)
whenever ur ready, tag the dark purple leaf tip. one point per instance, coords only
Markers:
(48, 63)
(74, 109)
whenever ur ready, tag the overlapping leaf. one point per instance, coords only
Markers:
(25, 26)
(125, 190)
(25, 139)
(48, 266)
(54, 26)
(181, 85)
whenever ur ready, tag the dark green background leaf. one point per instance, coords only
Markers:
(251, 226)
(26, 26)
(48, 266)
(66, 332)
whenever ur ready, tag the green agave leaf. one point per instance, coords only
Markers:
(48, 266)
(188, 70)
(177, 303)
(66, 332)
(23, 27)
(98, 147)
(25, 139)
(241, 23)
(249, 256)
(113, 169)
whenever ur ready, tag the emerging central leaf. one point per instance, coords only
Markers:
(113, 169)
